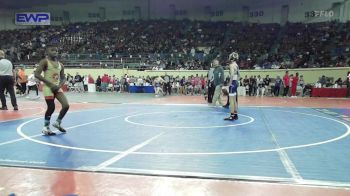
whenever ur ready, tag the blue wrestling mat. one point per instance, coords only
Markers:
(297, 145)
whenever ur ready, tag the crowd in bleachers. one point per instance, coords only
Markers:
(193, 44)
(191, 85)
(289, 85)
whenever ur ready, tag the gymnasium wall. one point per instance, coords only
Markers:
(262, 11)
(298, 9)
(310, 75)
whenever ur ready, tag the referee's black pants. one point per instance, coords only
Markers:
(211, 90)
(7, 82)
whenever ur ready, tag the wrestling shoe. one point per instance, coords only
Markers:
(226, 106)
(232, 117)
(58, 126)
(47, 131)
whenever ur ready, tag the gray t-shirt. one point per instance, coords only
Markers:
(6, 68)
(219, 77)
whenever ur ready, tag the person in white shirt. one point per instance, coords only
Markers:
(32, 85)
(7, 81)
(261, 86)
(234, 77)
(139, 81)
(86, 82)
(158, 81)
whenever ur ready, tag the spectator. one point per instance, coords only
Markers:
(277, 87)
(261, 86)
(167, 85)
(85, 82)
(22, 80)
(295, 84)
(267, 81)
(286, 81)
(33, 85)
(98, 84)
(182, 86)
(302, 85)
(323, 81)
(104, 82)
(91, 79)
(338, 83)
(78, 83)
(158, 81)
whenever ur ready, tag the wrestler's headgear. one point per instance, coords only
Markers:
(233, 56)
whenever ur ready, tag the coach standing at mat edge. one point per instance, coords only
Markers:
(7, 81)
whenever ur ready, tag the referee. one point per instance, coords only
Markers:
(7, 81)
(211, 87)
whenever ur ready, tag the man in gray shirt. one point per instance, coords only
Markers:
(7, 81)
(219, 79)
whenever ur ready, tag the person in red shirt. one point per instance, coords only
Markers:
(203, 85)
(295, 84)
(286, 84)
(90, 79)
(104, 82)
